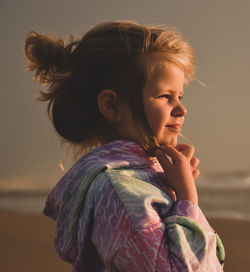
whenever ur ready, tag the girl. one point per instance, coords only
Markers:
(131, 203)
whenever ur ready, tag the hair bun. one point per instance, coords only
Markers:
(47, 57)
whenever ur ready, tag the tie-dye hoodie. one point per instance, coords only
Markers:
(113, 216)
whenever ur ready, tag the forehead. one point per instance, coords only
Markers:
(164, 75)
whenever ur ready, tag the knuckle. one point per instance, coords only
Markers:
(195, 161)
(196, 173)
(192, 149)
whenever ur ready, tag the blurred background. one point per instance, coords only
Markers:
(217, 122)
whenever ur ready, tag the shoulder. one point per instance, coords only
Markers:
(133, 190)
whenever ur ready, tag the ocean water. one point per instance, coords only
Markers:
(225, 196)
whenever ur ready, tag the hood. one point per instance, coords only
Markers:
(66, 200)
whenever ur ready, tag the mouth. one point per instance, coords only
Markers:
(174, 127)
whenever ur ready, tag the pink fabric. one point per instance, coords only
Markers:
(113, 215)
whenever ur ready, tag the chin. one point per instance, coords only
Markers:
(171, 141)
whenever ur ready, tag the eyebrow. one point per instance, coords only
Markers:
(169, 91)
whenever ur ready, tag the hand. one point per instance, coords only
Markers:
(188, 152)
(178, 172)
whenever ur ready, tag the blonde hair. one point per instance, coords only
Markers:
(112, 55)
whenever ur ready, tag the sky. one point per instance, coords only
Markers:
(217, 121)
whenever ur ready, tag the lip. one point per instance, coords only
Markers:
(175, 127)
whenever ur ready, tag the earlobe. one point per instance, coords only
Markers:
(107, 104)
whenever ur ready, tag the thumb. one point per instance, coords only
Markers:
(173, 153)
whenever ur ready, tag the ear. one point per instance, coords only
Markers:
(107, 104)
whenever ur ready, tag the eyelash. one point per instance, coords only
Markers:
(168, 96)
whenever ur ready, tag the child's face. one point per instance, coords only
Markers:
(161, 96)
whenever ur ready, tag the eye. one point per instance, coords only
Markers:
(167, 96)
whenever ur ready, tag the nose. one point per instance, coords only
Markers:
(179, 110)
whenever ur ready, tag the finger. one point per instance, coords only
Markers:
(186, 150)
(162, 158)
(194, 162)
(195, 173)
(174, 154)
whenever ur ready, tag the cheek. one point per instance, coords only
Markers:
(157, 116)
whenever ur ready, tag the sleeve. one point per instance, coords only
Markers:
(191, 241)
(138, 228)
(185, 242)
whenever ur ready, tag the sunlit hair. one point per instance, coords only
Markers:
(112, 55)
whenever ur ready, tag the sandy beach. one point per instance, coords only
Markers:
(26, 243)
